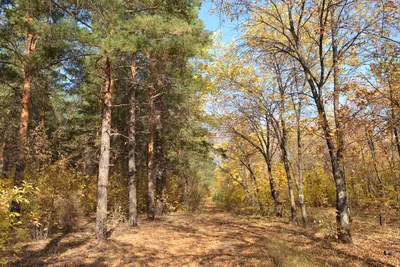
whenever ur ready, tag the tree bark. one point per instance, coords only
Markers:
(160, 159)
(3, 148)
(104, 161)
(264, 147)
(286, 164)
(133, 214)
(343, 214)
(4, 144)
(274, 191)
(151, 166)
(23, 126)
(42, 110)
(381, 192)
(281, 132)
(256, 189)
(337, 148)
(272, 184)
(300, 163)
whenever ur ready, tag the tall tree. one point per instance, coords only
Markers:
(133, 213)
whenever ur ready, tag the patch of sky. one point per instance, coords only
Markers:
(217, 23)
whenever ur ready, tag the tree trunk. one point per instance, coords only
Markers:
(393, 120)
(336, 150)
(342, 204)
(300, 164)
(286, 165)
(161, 177)
(104, 161)
(258, 202)
(281, 132)
(272, 184)
(23, 126)
(3, 145)
(245, 185)
(274, 191)
(133, 214)
(42, 110)
(381, 192)
(151, 166)
(257, 191)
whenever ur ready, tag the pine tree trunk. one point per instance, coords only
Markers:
(133, 215)
(23, 126)
(160, 159)
(151, 167)
(104, 161)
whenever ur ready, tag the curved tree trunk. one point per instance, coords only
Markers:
(104, 161)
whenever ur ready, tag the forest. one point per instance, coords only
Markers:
(130, 135)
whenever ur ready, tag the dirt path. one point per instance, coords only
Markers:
(212, 238)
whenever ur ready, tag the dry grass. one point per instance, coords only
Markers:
(214, 238)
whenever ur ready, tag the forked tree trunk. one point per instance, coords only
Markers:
(23, 124)
(104, 161)
(151, 167)
(133, 214)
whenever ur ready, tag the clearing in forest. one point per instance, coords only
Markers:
(213, 238)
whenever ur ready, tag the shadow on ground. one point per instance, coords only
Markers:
(212, 238)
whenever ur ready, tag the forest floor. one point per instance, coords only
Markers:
(213, 238)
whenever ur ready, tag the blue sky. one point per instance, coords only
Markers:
(213, 23)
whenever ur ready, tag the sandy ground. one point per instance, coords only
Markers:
(213, 238)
